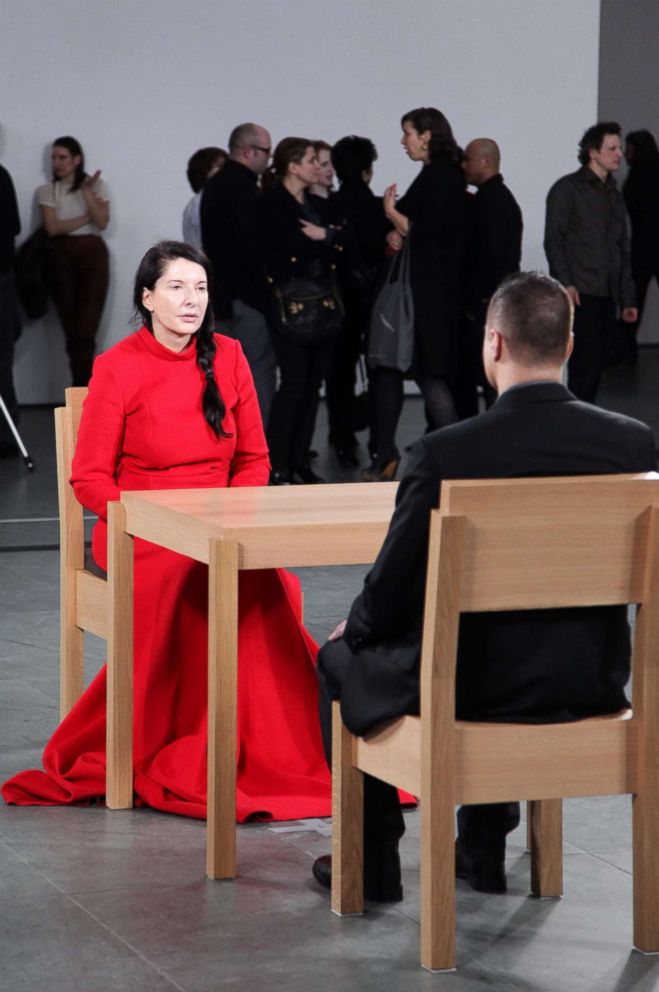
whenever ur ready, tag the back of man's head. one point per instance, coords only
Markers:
(533, 314)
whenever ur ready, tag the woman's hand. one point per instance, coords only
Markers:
(337, 633)
(398, 219)
(395, 240)
(89, 181)
(313, 231)
(389, 201)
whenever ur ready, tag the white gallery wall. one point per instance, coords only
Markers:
(144, 83)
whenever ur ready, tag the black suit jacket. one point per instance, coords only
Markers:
(544, 666)
(493, 246)
(231, 237)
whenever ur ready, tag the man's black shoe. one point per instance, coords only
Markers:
(375, 890)
(482, 875)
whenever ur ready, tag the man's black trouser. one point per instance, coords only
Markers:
(483, 828)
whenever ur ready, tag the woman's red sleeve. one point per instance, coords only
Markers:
(100, 438)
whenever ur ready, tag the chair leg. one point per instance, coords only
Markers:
(347, 823)
(71, 659)
(437, 882)
(645, 822)
(545, 832)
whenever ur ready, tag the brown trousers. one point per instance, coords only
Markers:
(79, 279)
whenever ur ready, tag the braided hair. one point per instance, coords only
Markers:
(148, 273)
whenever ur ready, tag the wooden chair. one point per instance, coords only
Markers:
(502, 545)
(83, 590)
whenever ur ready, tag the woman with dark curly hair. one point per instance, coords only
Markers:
(431, 214)
(173, 406)
(75, 208)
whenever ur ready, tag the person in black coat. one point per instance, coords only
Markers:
(231, 239)
(359, 212)
(641, 193)
(493, 249)
(10, 322)
(432, 215)
(298, 241)
(546, 666)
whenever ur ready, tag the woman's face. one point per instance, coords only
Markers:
(415, 144)
(307, 170)
(64, 163)
(178, 303)
(325, 168)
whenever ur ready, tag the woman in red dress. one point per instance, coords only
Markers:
(173, 406)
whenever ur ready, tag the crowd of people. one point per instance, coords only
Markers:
(268, 217)
(192, 400)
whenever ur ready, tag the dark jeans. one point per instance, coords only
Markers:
(79, 285)
(594, 328)
(482, 828)
(294, 408)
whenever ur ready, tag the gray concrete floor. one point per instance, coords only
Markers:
(92, 900)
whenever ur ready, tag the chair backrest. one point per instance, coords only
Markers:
(67, 423)
(530, 544)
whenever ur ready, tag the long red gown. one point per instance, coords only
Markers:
(143, 428)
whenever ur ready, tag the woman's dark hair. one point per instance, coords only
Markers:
(74, 147)
(201, 163)
(320, 146)
(288, 150)
(442, 144)
(646, 153)
(351, 156)
(148, 273)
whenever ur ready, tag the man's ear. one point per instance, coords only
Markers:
(494, 342)
(570, 347)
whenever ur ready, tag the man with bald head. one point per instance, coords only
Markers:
(493, 249)
(230, 235)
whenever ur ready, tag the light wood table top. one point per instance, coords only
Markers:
(274, 526)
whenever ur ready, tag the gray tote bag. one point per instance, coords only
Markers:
(391, 332)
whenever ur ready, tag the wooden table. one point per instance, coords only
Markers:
(229, 530)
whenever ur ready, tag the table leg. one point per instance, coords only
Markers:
(222, 707)
(119, 739)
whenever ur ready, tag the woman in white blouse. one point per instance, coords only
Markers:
(74, 210)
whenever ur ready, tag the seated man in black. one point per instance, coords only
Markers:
(545, 666)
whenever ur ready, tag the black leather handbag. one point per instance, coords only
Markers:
(309, 309)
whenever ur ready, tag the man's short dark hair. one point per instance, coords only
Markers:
(351, 156)
(534, 314)
(201, 163)
(593, 138)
